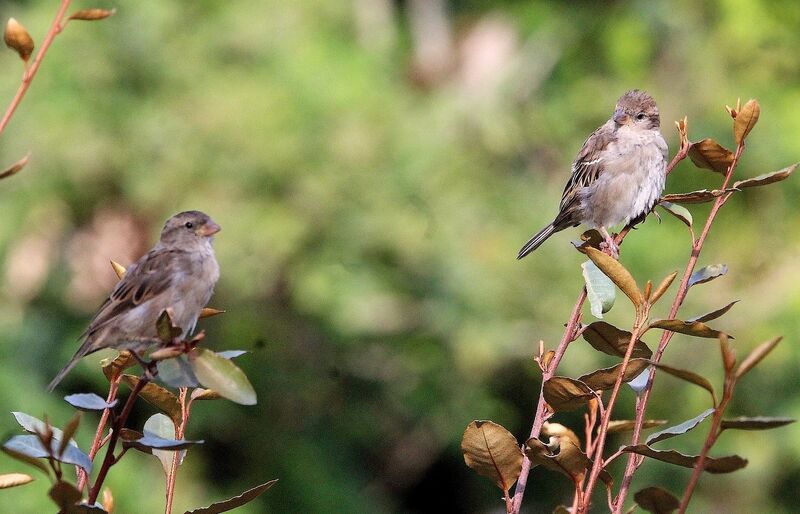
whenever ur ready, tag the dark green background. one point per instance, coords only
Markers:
(374, 176)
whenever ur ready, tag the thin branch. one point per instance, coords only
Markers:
(99, 440)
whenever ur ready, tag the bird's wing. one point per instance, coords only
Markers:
(143, 281)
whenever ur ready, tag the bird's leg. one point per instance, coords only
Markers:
(147, 366)
(609, 245)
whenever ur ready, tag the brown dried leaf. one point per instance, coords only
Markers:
(16, 167)
(65, 495)
(690, 328)
(112, 368)
(208, 312)
(626, 425)
(204, 394)
(656, 500)
(663, 287)
(493, 452)
(564, 393)
(604, 379)
(161, 398)
(610, 340)
(92, 14)
(18, 39)
(756, 423)
(714, 314)
(757, 355)
(766, 178)
(119, 269)
(560, 455)
(8, 480)
(710, 155)
(745, 120)
(712, 465)
(69, 432)
(678, 429)
(559, 430)
(689, 376)
(700, 196)
(618, 274)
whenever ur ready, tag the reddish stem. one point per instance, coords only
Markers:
(98, 440)
(180, 431)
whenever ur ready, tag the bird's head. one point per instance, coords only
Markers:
(637, 110)
(188, 227)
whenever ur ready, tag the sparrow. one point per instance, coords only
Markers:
(618, 175)
(178, 275)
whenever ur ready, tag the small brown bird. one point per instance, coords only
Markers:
(618, 175)
(179, 274)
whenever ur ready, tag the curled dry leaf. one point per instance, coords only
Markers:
(493, 452)
(656, 500)
(714, 314)
(618, 274)
(15, 168)
(18, 39)
(119, 269)
(710, 155)
(757, 355)
(680, 212)
(92, 14)
(564, 393)
(559, 430)
(663, 287)
(690, 328)
(689, 376)
(610, 340)
(745, 120)
(208, 312)
(236, 501)
(700, 196)
(604, 379)
(8, 480)
(756, 423)
(159, 397)
(679, 429)
(726, 464)
(561, 455)
(762, 180)
(626, 425)
(707, 274)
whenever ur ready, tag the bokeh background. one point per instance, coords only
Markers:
(375, 166)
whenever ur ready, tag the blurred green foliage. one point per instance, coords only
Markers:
(375, 167)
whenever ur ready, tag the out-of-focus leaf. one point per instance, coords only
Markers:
(236, 501)
(563, 393)
(69, 431)
(208, 312)
(108, 500)
(712, 465)
(690, 328)
(617, 273)
(31, 446)
(680, 429)
(561, 509)
(88, 402)
(167, 331)
(756, 423)
(92, 14)
(604, 379)
(231, 354)
(714, 314)
(112, 368)
(18, 39)
(65, 495)
(15, 168)
(204, 394)
(689, 376)
(27, 459)
(745, 120)
(161, 426)
(679, 211)
(119, 269)
(656, 500)
(9, 480)
(707, 274)
(36, 426)
(663, 287)
(639, 383)
(761, 180)
(161, 398)
(600, 290)
(87, 509)
(710, 155)
(610, 340)
(177, 372)
(700, 196)
(757, 355)
(493, 452)
(626, 425)
(221, 375)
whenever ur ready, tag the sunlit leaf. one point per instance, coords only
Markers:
(707, 274)
(610, 340)
(680, 429)
(559, 430)
(756, 423)
(679, 211)
(700, 196)
(18, 39)
(604, 379)
(160, 426)
(626, 425)
(710, 155)
(763, 180)
(689, 376)
(563, 393)
(236, 501)
(663, 287)
(221, 375)
(493, 452)
(92, 14)
(617, 273)
(161, 398)
(690, 328)
(656, 500)
(31, 446)
(9, 480)
(714, 314)
(600, 290)
(88, 402)
(15, 168)
(757, 355)
(745, 120)
(712, 465)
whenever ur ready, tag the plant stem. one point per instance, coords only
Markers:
(180, 432)
(118, 424)
(27, 77)
(98, 435)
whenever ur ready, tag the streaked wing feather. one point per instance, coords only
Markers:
(586, 168)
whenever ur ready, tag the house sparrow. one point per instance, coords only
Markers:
(617, 176)
(178, 274)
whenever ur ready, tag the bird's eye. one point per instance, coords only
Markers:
(641, 116)
(189, 224)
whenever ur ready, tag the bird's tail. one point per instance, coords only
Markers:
(537, 240)
(82, 351)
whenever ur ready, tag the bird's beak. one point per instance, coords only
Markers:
(209, 229)
(620, 118)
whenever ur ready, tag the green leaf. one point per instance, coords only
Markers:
(757, 355)
(690, 328)
(618, 274)
(9, 480)
(236, 501)
(712, 465)
(680, 429)
(679, 211)
(604, 379)
(161, 426)
(611, 340)
(707, 274)
(600, 289)
(710, 155)
(157, 396)
(756, 423)
(766, 178)
(88, 402)
(656, 500)
(493, 452)
(221, 375)
(564, 393)
(689, 376)
(714, 314)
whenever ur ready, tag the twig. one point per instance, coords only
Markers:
(180, 432)
(99, 440)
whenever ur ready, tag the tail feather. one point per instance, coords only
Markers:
(537, 240)
(82, 351)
